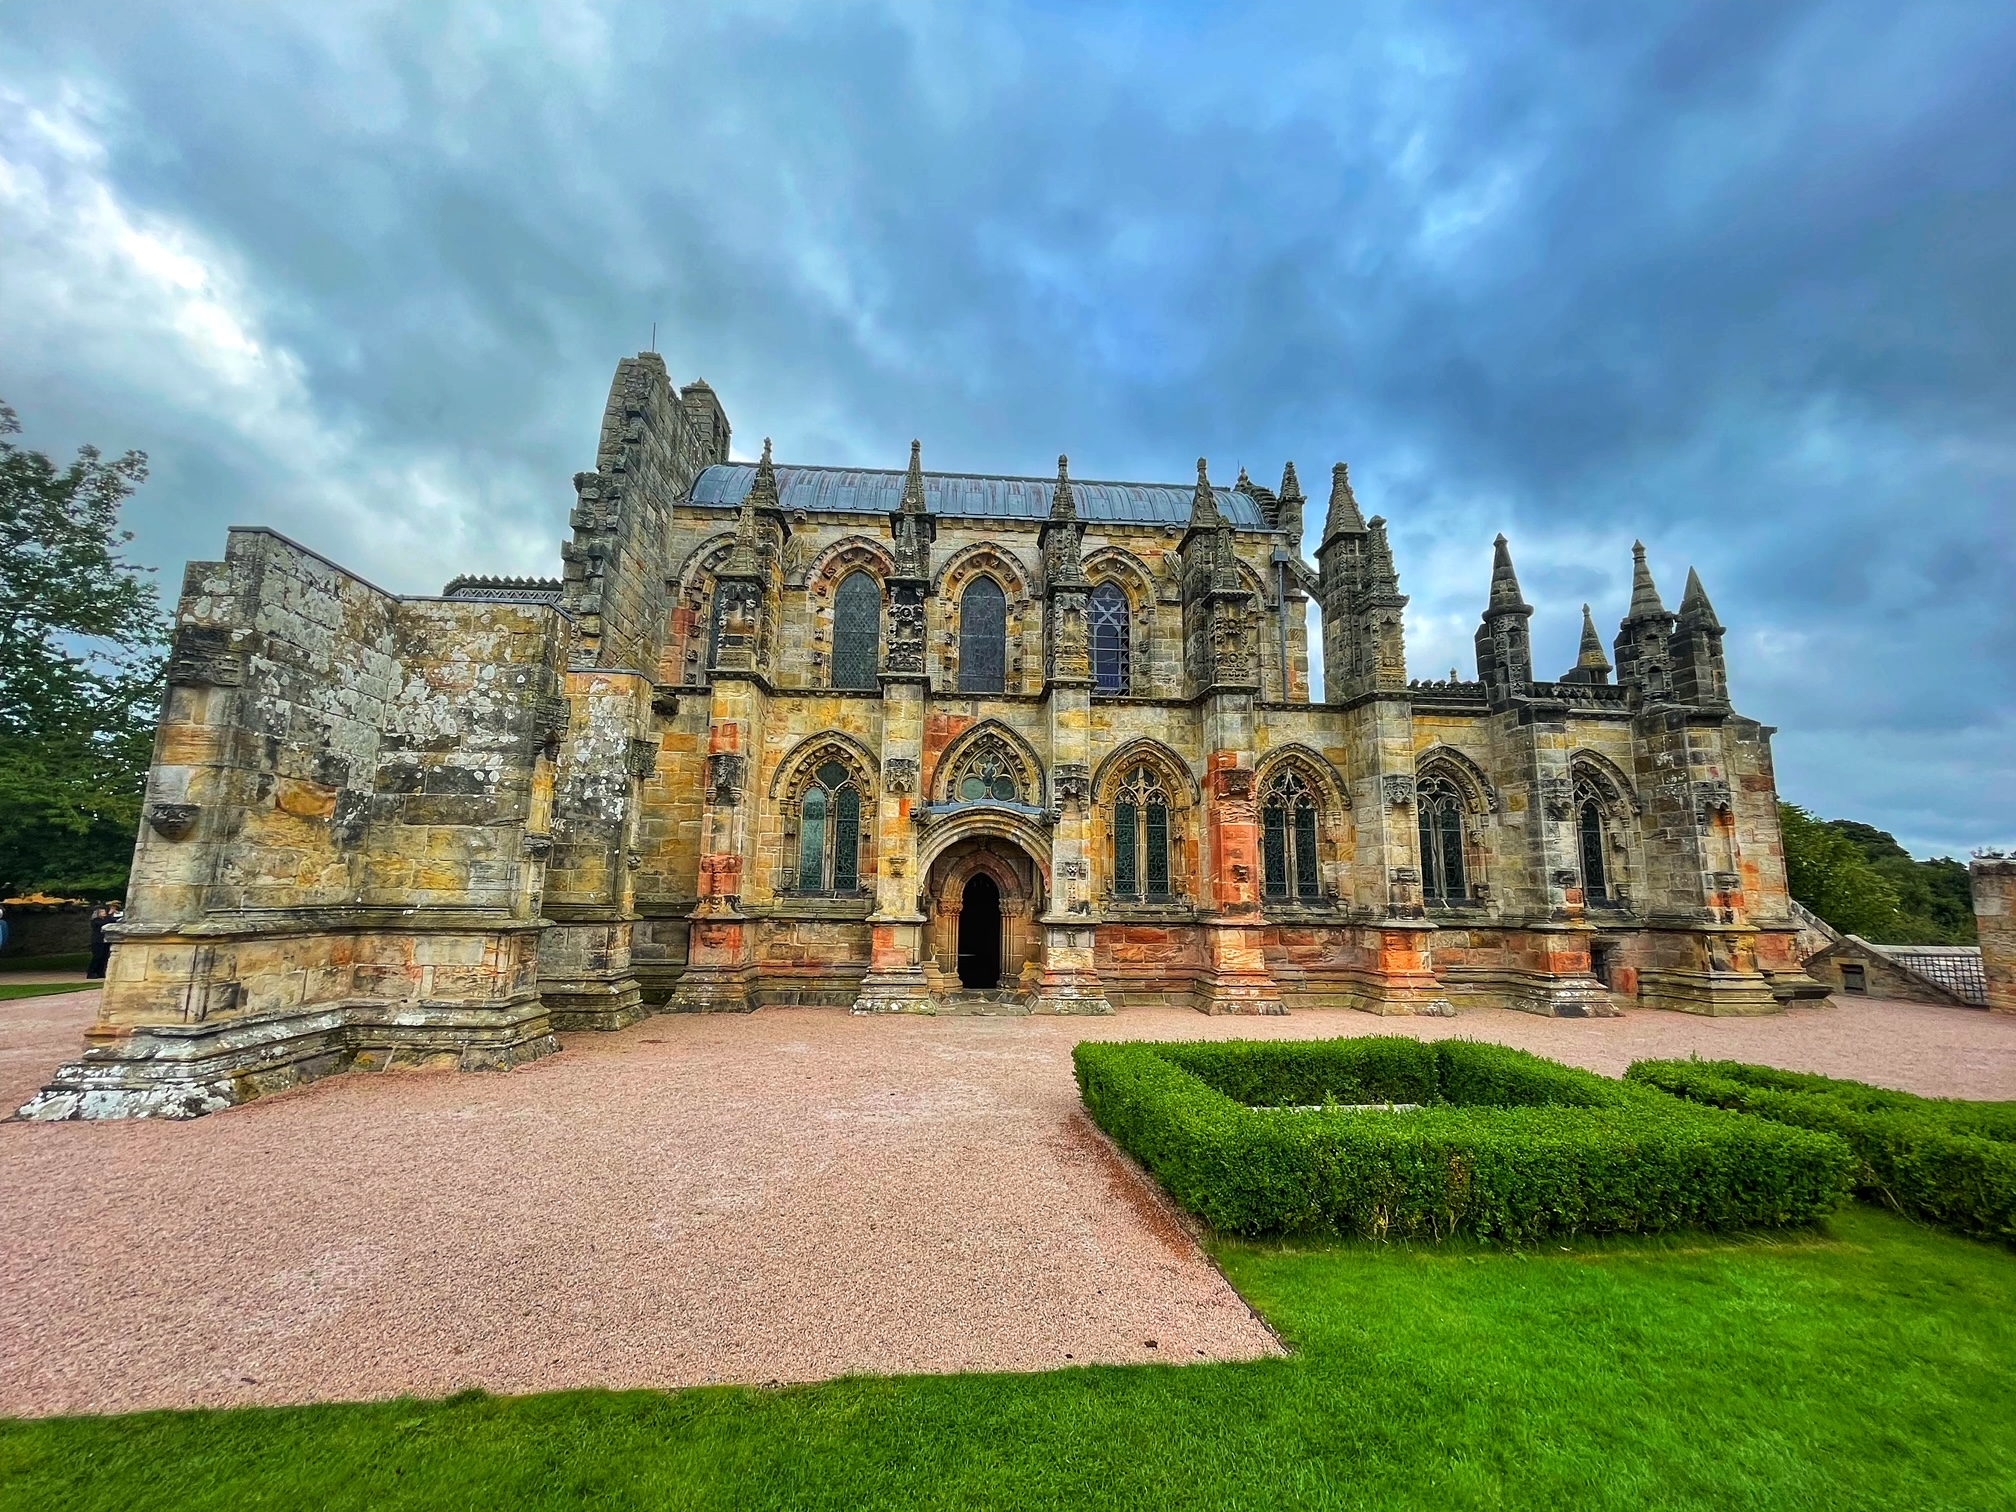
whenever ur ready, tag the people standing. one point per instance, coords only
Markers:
(101, 948)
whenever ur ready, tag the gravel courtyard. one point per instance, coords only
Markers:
(782, 1197)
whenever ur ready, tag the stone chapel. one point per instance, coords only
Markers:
(905, 741)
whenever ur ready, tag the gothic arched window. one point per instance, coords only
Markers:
(983, 637)
(1589, 831)
(1110, 638)
(1141, 837)
(857, 631)
(1288, 837)
(1440, 804)
(829, 832)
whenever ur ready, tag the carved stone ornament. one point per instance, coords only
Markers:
(899, 776)
(203, 656)
(1073, 781)
(1564, 878)
(1399, 789)
(538, 846)
(664, 699)
(171, 821)
(1072, 871)
(1557, 796)
(1406, 874)
(1234, 782)
(725, 771)
(642, 758)
(551, 714)
(1710, 798)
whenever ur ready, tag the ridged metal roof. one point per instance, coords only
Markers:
(862, 490)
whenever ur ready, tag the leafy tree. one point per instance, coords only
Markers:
(82, 643)
(1935, 898)
(1828, 872)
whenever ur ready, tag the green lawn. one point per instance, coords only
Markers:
(1868, 1366)
(42, 989)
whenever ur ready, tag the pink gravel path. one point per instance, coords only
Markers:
(788, 1196)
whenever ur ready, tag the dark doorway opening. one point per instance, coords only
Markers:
(980, 933)
(1599, 961)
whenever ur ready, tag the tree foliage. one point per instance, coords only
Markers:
(1860, 880)
(82, 648)
(1829, 874)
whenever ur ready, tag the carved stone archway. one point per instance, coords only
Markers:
(1018, 881)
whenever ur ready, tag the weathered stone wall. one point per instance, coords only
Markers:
(1994, 879)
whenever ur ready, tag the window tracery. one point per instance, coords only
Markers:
(1440, 805)
(1289, 838)
(829, 831)
(1111, 639)
(1141, 837)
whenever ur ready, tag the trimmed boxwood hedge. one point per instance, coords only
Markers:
(1505, 1146)
(1948, 1161)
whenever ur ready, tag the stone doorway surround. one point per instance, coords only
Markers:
(1017, 882)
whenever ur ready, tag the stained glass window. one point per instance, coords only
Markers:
(983, 637)
(1109, 639)
(857, 631)
(1290, 858)
(829, 832)
(1141, 837)
(1440, 808)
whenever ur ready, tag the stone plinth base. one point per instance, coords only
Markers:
(714, 989)
(594, 1005)
(1577, 995)
(1716, 994)
(1069, 981)
(187, 1070)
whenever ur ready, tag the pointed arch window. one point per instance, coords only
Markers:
(1595, 880)
(1443, 876)
(1288, 838)
(1111, 639)
(857, 631)
(829, 832)
(1141, 838)
(983, 637)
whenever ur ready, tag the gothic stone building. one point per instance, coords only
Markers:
(903, 741)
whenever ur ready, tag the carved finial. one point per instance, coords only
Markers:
(1344, 518)
(1291, 486)
(1204, 503)
(1378, 554)
(1645, 601)
(1063, 501)
(1245, 484)
(763, 488)
(1504, 581)
(913, 481)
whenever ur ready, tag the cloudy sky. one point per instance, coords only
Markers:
(1735, 278)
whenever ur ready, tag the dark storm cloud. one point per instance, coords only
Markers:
(1733, 278)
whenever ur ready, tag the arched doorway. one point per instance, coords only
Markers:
(982, 896)
(980, 934)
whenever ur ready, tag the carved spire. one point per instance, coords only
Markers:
(1695, 610)
(1645, 602)
(1344, 518)
(1591, 666)
(913, 481)
(1504, 582)
(1592, 658)
(1379, 574)
(1063, 502)
(763, 491)
(1204, 503)
(1291, 486)
(1245, 484)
